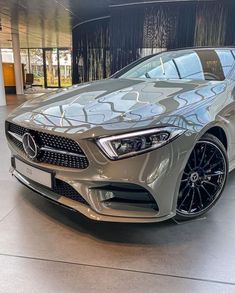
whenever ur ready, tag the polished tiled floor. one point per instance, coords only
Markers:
(45, 248)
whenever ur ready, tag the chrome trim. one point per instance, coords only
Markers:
(52, 150)
(16, 136)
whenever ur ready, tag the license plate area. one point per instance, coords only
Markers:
(38, 175)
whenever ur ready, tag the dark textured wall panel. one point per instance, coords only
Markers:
(159, 26)
(126, 36)
(105, 46)
(210, 25)
(91, 51)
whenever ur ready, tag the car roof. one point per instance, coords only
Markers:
(203, 48)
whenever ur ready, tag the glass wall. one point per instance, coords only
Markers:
(51, 72)
(33, 63)
(7, 56)
(50, 67)
(65, 67)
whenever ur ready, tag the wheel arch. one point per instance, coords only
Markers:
(219, 132)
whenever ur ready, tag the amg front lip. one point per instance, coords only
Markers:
(81, 208)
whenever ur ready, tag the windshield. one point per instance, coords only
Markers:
(198, 64)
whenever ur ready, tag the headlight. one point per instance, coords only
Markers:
(135, 143)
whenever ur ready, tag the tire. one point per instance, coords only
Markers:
(203, 180)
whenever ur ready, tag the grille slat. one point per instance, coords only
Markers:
(52, 141)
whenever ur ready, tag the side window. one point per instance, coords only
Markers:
(227, 60)
(232, 75)
(211, 64)
(190, 66)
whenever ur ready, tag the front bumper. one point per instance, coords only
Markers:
(157, 172)
(81, 208)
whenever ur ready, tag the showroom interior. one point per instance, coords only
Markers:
(50, 45)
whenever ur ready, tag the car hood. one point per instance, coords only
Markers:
(113, 104)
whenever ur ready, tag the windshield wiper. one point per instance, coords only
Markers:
(162, 65)
(147, 75)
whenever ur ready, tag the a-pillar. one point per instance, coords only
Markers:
(2, 88)
(17, 64)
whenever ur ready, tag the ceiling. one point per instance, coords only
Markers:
(49, 23)
(45, 23)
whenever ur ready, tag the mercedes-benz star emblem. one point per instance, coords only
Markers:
(194, 177)
(30, 146)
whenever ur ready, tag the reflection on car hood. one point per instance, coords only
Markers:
(103, 103)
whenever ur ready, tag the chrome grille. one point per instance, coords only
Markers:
(17, 143)
(54, 149)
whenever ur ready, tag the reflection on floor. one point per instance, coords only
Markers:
(38, 90)
(13, 100)
(30, 93)
(46, 248)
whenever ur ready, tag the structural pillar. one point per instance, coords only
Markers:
(17, 64)
(2, 88)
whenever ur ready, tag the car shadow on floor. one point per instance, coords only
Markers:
(147, 234)
(126, 233)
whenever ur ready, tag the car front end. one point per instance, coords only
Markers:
(80, 173)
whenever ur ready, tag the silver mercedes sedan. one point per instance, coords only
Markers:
(154, 141)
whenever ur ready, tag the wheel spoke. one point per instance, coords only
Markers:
(208, 162)
(203, 155)
(192, 201)
(215, 165)
(200, 197)
(195, 158)
(183, 201)
(182, 191)
(203, 187)
(189, 166)
(212, 184)
(219, 173)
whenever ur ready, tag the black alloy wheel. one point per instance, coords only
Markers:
(203, 179)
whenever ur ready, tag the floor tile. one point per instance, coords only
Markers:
(9, 197)
(27, 275)
(201, 249)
